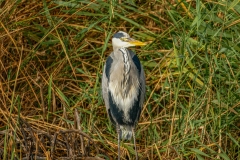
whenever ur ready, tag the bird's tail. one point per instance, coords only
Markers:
(126, 132)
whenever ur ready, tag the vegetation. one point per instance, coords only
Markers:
(51, 59)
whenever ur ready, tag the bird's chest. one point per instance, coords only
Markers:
(123, 86)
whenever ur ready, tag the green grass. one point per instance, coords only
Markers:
(52, 54)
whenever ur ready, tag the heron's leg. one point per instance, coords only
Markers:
(134, 140)
(119, 139)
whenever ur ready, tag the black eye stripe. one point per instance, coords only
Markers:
(121, 34)
(118, 35)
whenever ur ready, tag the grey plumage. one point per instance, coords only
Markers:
(123, 86)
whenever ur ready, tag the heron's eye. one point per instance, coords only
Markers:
(124, 39)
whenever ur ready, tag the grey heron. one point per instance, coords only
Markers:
(123, 87)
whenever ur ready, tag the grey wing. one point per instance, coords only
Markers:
(142, 91)
(105, 81)
(142, 85)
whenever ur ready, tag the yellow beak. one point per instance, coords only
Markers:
(137, 43)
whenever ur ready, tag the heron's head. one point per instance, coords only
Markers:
(122, 39)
